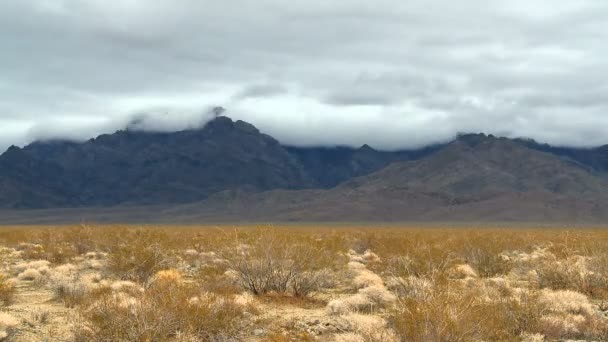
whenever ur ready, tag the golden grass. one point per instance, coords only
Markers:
(418, 283)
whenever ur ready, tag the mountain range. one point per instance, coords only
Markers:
(230, 171)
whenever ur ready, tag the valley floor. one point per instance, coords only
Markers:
(302, 283)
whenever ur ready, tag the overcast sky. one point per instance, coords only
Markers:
(390, 73)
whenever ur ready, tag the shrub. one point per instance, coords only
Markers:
(304, 283)
(378, 295)
(36, 265)
(218, 279)
(7, 290)
(7, 325)
(139, 256)
(486, 261)
(338, 307)
(359, 303)
(463, 271)
(166, 310)
(411, 287)
(69, 289)
(371, 328)
(70, 286)
(274, 263)
(456, 314)
(31, 251)
(367, 278)
(31, 275)
(569, 314)
(349, 337)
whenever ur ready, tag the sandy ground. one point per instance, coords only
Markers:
(32, 305)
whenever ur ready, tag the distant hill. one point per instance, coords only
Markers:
(133, 167)
(474, 178)
(230, 171)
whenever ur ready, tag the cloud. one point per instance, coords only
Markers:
(389, 73)
(260, 90)
(170, 119)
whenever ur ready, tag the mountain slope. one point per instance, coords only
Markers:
(147, 168)
(475, 178)
(133, 167)
(25, 182)
(229, 171)
(330, 166)
(595, 158)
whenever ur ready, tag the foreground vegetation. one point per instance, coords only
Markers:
(112, 283)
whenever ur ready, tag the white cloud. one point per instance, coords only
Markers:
(390, 73)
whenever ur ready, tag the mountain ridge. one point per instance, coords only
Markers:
(230, 170)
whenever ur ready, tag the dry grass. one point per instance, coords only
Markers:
(166, 309)
(7, 325)
(7, 290)
(360, 284)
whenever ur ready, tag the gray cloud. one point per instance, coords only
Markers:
(390, 73)
(260, 90)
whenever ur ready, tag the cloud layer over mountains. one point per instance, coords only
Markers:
(390, 73)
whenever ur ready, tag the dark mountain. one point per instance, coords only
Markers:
(330, 166)
(229, 171)
(475, 178)
(594, 158)
(26, 182)
(131, 167)
(135, 167)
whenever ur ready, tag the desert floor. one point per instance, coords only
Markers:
(303, 283)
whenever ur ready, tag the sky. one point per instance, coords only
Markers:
(390, 73)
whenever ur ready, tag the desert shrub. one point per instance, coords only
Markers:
(30, 251)
(52, 245)
(167, 309)
(40, 317)
(486, 262)
(218, 279)
(71, 286)
(462, 271)
(411, 287)
(7, 290)
(459, 315)
(358, 303)
(304, 283)
(379, 295)
(71, 294)
(370, 328)
(80, 238)
(529, 337)
(30, 274)
(338, 307)
(274, 262)
(560, 274)
(349, 337)
(69, 289)
(569, 314)
(367, 300)
(41, 265)
(426, 263)
(7, 325)
(575, 272)
(139, 255)
(597, 276)
(34, 271)
(60, 252)
(367, 278)
(364, 242)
